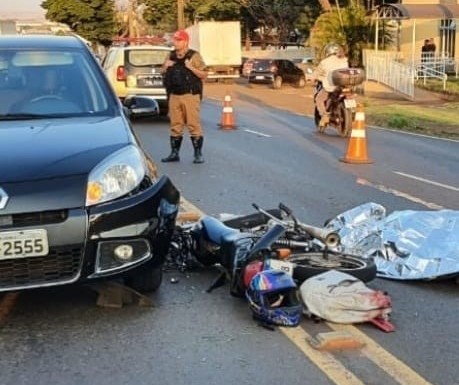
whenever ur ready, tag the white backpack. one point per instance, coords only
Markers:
(339, 297)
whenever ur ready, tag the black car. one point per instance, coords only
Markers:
(276, 72)
(79, 198)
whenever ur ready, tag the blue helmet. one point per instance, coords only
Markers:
(273, 298)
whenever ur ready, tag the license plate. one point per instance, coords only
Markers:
(25, 243)
(276, 264)
(259, 77)
(149, 81)
(350, 103)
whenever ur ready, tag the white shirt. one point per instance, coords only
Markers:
(325, 68)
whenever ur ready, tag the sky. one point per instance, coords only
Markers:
(25, 9)
(21, 9)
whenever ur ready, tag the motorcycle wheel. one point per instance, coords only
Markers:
(317, 262)
(345, 121)
(317, 121)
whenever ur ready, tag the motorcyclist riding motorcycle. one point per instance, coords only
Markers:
(334, 59)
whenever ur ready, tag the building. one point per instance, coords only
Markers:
(414, 21)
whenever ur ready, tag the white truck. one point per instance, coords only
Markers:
(219, 43)
(7, 27)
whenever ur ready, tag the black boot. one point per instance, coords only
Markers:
(176, 142)
(197, 145)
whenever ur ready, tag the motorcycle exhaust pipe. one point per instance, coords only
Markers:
(331, 239)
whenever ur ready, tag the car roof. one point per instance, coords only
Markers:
(41, 41)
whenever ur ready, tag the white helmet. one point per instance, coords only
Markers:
(332, 49)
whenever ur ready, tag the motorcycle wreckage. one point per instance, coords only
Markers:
(272, 239)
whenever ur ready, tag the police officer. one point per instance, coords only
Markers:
(184, 72)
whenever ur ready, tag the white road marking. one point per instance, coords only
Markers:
(257, 133)
(412, 133)
(427, 181)
(385, 189)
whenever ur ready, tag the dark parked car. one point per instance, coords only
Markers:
(79, 198)
(276, 72)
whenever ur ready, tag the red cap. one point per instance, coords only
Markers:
(181, 34)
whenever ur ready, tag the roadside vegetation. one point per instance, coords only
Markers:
(439, 119)
(435, 85)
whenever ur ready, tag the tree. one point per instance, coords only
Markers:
(348, 26)
(213, 10)
(161, 14)
(276, 17)
(91, 19)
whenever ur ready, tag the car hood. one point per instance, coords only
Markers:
(32, 150)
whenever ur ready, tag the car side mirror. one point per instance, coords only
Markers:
(141, 106)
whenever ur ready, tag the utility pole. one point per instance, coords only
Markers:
(181, 14)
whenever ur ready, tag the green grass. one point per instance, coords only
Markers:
(436, 85)
(440, 120)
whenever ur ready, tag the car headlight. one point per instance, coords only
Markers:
(115, 176)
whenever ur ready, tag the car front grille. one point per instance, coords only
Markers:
(62, 264)
(33, 219)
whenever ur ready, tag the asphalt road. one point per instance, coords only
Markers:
(193, 337)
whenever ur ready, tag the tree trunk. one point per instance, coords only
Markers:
(325, 4)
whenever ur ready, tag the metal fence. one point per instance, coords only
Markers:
(385, 67)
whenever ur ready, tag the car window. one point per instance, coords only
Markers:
(52, 83)
(109, 58)
(289, 66)
(262, 64)
(143, 57)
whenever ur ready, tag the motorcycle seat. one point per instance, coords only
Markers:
(217, 232)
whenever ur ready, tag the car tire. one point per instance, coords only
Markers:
(146, 281)
(277, 83)
(301, 82)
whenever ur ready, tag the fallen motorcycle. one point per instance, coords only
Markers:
(341, 104)
(274, 237)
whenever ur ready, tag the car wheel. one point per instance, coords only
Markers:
(277, 83)
(301, 82)
(146, 281)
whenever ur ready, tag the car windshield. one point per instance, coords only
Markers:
(47, 83)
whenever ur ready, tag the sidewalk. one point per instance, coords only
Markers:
(375, 90)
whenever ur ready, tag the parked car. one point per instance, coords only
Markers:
(246, 66)
(307, 65)
(135, 70)
(80, 200)
(276, 72)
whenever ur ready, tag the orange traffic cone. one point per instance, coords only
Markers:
(227, 119)
(357, 147)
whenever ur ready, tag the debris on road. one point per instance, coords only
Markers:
(341, 298)
(406, 244)
(115, 295)
(337, 340)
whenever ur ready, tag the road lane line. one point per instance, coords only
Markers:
(325, 361)
(257, 133)
(409, 197)
(396, 368)
(427, 181)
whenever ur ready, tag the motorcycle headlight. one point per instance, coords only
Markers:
(115, 176)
